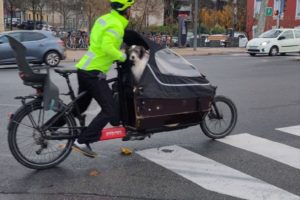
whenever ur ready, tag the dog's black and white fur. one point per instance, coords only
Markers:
(139, 56)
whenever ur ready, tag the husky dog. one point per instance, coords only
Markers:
(139, 56)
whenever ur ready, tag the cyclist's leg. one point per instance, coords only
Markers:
(103, 95)
(84, 102)
(80, 107)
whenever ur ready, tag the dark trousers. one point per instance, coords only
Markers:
(97, 87)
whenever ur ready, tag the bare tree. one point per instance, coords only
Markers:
(13, 4)
(52, 7)
(93, 9)
(144, 9)
(33, 5)
(65, 8)
(41, 5)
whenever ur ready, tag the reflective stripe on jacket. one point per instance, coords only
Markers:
(105, 41)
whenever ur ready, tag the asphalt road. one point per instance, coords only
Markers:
(266, 91)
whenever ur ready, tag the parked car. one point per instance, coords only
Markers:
(174, 41)
(243, 40)
(42, 47)
(274, 42)
(26, 25)
(13, 21)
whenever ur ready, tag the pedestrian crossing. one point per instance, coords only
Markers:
(270, 149)
(214, 176)
(294, 130)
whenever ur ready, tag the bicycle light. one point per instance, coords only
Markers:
(10, 115)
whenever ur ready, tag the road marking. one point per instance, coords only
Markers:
(214, 176)
(273, 150)
(294, 130)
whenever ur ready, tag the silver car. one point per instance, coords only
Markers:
(42, 47)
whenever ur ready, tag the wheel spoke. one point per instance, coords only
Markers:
(215, 126)
(28, 144)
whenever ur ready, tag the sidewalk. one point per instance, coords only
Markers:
(75, 55)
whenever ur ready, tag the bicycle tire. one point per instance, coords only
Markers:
(211, 117)
(13, 132)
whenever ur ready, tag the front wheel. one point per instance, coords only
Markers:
(26, 140)
(274, 51)
(221, 119)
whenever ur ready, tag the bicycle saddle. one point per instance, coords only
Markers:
(65, 71)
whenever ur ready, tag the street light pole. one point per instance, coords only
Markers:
(1, 16)
(196, 24)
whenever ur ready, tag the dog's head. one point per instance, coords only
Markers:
(136, 52)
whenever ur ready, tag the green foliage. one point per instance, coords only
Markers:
(217, 29)
(203, 29)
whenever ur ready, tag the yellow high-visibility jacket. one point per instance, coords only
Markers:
(106, 39)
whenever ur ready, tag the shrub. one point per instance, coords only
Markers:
(218, 29)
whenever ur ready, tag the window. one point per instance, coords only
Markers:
(17, 36)
(277, 6)
(32, 36)
(3, 40)
(288, 35)
(271, 34)
(297, 33)
(257, 4)
(298, 10)
(169, 63)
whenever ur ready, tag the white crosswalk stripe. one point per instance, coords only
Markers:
(223, 179)
(273, 150)
(214, 176)
(294, 130)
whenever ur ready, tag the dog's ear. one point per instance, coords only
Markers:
(142, 52)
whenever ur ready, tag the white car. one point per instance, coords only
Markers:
(274, 42)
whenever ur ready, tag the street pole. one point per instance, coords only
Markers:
(1, 16)
(261, 18)
(278, 20)
(196, 24)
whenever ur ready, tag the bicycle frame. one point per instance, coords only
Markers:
(68, 110)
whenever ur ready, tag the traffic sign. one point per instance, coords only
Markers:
(269, 11)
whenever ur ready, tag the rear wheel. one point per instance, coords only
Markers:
(27, 143)
(221, 119)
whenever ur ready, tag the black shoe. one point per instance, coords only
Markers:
(84, 149)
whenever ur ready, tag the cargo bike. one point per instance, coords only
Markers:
(172, 94)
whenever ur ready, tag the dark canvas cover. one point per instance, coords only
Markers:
(168, 75)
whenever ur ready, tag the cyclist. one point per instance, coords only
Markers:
(105, 42)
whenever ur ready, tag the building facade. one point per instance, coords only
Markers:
(289, 19)
(1, 16)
